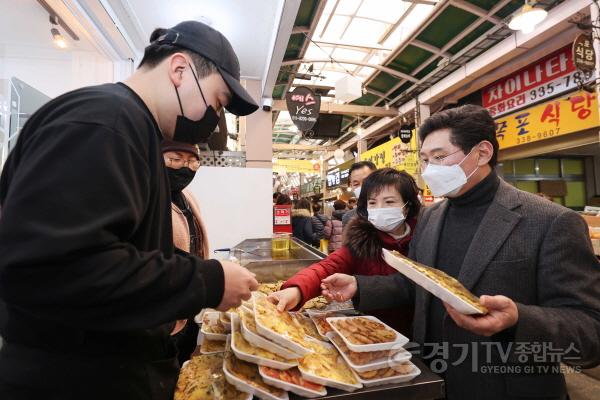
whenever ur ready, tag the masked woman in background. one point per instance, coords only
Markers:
(189, 235)
(387, 211)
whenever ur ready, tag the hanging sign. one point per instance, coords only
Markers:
(577, 112)
(406, 134)
(548, 77)
(303, 105)
(584, 56)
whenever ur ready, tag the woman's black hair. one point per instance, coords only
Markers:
(401, 180)
(303, 203)
(156, 52)
(283, 199)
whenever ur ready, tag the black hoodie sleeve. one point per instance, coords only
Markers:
(78, 193)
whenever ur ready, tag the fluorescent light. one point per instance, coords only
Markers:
(58, 39)
(527, 18)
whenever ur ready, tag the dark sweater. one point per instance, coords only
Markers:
(460, 224)
(87, 264)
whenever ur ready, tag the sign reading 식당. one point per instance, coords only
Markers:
(577, 112)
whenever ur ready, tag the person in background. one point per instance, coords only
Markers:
(302, 225)
(529, 260)
(318, 220)
(356, 175)
(275, 197)
(283, 200)
(352, 203)
(334, 228)
(90, 283)
(189, 234)
(387, 213)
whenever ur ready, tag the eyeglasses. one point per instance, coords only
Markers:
(437, 160)
(177, 163)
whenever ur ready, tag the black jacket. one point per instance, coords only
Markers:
(302, 227)
(87, 264)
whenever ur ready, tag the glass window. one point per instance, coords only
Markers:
(549, 167)
(525, 167)
(575, 197)
(572, 166)
(508, 168)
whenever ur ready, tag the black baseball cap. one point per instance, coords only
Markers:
(212, 45)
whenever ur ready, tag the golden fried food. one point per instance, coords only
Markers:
(320, 321)
(361, 330)
(317, 303)
(291, 376)
(202, 378)
(328, 366)
(211, 324)
(446, 281)
(249, 374)
(212, 346)
(305, 323)
(266, 314)
(242, 345)
(396, 370)
(357, 358)
(268, 288)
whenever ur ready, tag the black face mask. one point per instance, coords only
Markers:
(180, 178)
(189, 131)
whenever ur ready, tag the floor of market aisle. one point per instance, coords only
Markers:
(584, 386)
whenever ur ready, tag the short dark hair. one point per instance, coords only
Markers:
(316, 207)
(352, 200)
(361, 164)
(339, 205)
(283, 199)
(468, 125)
(403, 182)
(156, 52)
(303, 204)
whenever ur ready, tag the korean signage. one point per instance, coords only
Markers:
(395, 154)
(584, 56)
(282, 218)
(576, 112)
(283, 166)
(303, 105)
(546, 78)
(339, 175)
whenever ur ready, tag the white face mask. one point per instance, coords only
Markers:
(446, 180)
(357, 192)
(386, 219)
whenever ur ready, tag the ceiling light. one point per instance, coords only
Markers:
(313, 161)
(527, 18)
(58, 39)
(274, 160)
(359, 131)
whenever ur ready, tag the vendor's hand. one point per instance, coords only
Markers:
(503, 314)
(339, 287)
(286, 299)
(239, 283)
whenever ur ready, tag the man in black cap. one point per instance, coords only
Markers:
(90, 283)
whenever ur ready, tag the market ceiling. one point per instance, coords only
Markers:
(417, 43)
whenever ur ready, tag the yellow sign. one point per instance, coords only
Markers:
(395, 154)
(301, 166)
(577, 112)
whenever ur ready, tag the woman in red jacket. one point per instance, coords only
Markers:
(387, 212)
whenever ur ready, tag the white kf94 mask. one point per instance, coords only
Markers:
(446, 180)
(386, 219)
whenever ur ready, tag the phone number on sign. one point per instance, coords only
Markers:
(532, 137)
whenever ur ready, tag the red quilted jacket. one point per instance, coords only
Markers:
(360, 255)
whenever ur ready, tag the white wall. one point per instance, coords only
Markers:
(236, 203)
(54, 72)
